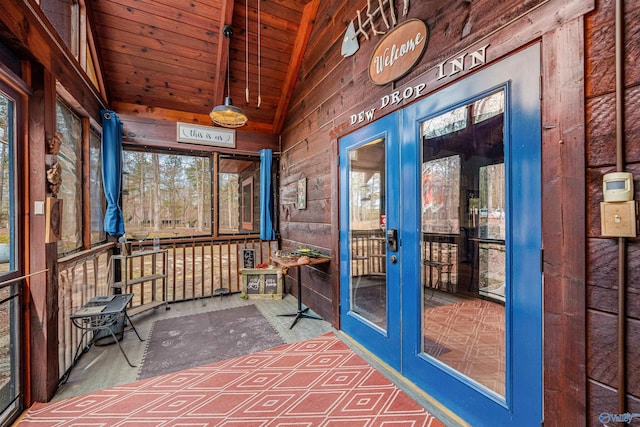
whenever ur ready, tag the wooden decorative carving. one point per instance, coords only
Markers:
(53, 225)
(54, 178)
(54, 142)
(373, 12)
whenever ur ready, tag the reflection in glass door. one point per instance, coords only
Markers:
(366, 226)
(463, 240)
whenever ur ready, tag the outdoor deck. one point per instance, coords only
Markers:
(104, 366)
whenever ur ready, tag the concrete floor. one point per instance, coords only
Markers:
(104, 366)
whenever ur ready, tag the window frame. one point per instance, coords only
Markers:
(13, 88)
(169, 152)
(16, 229)
(78, 195)
(245, 230)
(246, 209)
(85, 196)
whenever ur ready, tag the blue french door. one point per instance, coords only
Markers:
(370, 269)
(451, 186)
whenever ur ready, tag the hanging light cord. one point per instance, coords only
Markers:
(228, 68)
(259, 50)
(246, 48)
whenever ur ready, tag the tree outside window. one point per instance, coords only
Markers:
(166, 195)
(171, 195)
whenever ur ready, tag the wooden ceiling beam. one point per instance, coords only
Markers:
(154, 113)
(306, 25)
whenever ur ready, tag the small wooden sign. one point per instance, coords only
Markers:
(262, 283)
(248, 258)
(253, 283)
(398, 51)
(271, 284)
(206, 135)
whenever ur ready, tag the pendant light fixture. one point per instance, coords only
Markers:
(228, 115)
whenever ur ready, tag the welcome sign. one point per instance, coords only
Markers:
(398, 51)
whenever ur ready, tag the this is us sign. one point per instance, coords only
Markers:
(206, 135)
(398, 51)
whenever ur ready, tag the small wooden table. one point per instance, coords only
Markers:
(293, 263)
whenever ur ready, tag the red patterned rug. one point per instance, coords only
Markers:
(318, 382)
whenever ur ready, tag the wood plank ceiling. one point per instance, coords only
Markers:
(167, 59)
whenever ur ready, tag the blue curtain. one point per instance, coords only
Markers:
(266, 197)
(112, 171)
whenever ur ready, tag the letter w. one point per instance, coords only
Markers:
(369, 114)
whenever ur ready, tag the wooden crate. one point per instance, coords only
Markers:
(262, 283)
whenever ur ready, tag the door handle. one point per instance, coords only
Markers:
(392, 239)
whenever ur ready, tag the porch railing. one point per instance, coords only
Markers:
(368, 249)
(195, 269)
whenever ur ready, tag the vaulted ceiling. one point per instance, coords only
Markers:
(168, 58)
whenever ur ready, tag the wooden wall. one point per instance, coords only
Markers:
(45, 70)
(330, 89)
(602, 253)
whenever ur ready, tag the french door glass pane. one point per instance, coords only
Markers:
(463, 240)
(366, 228)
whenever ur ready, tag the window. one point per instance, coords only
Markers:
(8, 232)
(166, 195)
(247, 204)
(10, 261)
(70, 159)
(97, 199)
(171, 195)
(238, 195)
(69, 18)
(66, 17)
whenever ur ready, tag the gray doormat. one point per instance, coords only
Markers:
(199, 339)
